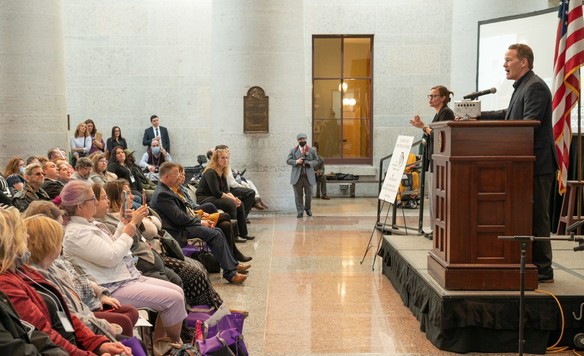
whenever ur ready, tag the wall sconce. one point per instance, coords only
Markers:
(343, 87)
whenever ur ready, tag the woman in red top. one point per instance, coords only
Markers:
(23, 286)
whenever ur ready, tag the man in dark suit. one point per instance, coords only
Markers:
(156, 132)
(182, 226)
(532, 100)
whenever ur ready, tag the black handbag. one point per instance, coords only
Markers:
(204, 255)
(170, 246)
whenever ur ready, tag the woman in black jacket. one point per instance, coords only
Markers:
(213, 189)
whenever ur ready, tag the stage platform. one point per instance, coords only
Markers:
(481, 321)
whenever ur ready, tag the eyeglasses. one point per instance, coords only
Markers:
(90, 199)
(431, 96)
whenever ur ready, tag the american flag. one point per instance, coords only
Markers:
(568, 58)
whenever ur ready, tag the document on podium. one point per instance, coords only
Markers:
(396, 168)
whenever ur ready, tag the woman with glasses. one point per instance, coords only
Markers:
(438, 99)
(191, 274)
(107, 260)
(116, 140)
(38, 301)
(100, 174)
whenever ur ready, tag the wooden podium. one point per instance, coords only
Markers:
(483, 183)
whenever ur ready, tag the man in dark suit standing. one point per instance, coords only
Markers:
(532, 100)
(156, 132)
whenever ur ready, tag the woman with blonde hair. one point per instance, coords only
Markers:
(38, 301)
(80, 143)
(100, 173)
(213, 189)
(106, 258)
(89, 301)
(208, 211)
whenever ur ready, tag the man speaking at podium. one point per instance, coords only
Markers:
(532, 100)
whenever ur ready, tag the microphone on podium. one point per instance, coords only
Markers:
(475, 95)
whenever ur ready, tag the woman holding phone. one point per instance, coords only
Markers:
(193, 277)
(106, 258)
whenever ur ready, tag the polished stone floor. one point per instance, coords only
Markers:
(308, 294)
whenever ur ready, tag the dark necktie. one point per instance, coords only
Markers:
(156, 133)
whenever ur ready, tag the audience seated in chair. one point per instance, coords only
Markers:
(83, 168)
(35, 177)
(20, 282)
(105, 258)
(100, 174)
(13, 173)
(153, 158)
(191, 274)
(213, 189)
(176, 220)
(44, 243)
(52, 184)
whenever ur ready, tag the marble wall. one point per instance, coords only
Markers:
(32, 83)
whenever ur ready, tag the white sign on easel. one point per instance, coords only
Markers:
(396, 168)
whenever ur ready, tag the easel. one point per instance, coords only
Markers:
(369, 246)
(390, 188)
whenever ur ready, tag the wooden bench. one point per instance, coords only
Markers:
(350, 182)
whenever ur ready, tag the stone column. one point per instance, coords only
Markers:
(33, 114)
(260, 43)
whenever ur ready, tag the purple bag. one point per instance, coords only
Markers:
(229, 321)
(227, 343)
(135, 345)
(189, 250)
(193, 317)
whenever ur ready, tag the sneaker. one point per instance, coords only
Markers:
(326, 197)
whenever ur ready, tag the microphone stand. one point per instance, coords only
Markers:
(524, 243)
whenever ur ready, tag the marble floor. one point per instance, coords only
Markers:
(308, 294)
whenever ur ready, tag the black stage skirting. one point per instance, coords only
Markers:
(479, 323)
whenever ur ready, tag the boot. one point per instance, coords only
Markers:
(240, 256)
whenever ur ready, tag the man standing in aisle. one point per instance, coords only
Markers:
(156, 132)
(532, 100)
(303, 159)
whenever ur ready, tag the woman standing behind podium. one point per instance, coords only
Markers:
(438, 98)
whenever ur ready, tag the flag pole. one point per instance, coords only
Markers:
(579, 151)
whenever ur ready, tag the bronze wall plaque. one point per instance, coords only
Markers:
(256, 111)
